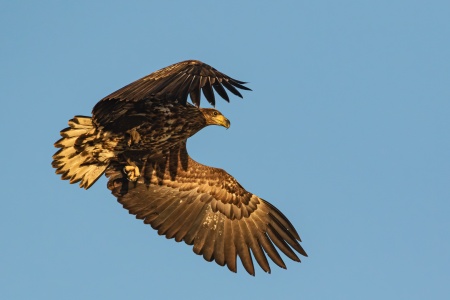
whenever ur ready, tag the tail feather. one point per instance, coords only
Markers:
(84, 154)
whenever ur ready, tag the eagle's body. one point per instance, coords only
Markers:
(137, 135)
(158, 124)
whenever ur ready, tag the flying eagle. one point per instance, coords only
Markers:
(137, 137)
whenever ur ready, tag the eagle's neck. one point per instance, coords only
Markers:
(195, 120)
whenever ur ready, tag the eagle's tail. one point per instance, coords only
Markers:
(85, 152)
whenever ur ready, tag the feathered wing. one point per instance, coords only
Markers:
(172, 84)
(207, 208)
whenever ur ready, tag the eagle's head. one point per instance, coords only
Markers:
(215, 117)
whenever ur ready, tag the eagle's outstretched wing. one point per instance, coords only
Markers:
(206, 207)
(171, 84)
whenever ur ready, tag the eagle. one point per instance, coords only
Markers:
(137, 137)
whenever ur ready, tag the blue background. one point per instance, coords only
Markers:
(346, 131)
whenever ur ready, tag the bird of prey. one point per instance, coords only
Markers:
(137, 137)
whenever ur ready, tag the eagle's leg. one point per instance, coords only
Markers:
(132, 171)
(134, 138)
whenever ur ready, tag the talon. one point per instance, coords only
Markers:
(135, 137)
(132, 171)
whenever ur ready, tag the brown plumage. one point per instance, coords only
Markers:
(137, 135)
(206, 207)
(143, 117)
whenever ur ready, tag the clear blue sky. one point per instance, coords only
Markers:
(346, 131)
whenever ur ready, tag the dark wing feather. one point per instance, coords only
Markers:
(173, 84)
(207, 208)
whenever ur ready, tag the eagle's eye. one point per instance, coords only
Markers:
(215, 113)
